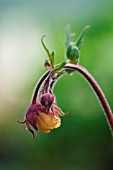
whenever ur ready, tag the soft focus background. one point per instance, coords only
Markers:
(84, 141)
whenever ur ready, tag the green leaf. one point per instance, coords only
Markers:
(59, 67)
(51, 56)
(52, 59)
(79, 42)
(45, 46)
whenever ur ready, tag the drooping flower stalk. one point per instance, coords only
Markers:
(43, 114)
(95, 87)
(97, 90)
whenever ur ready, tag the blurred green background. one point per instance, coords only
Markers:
(84, 141)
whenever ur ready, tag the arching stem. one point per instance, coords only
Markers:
(97, 90)
(95, 87)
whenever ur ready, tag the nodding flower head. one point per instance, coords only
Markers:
(43, 116)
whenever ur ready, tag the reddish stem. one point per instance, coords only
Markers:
(38, 87)
(97, 90)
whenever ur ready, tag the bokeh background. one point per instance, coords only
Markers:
(84, 141)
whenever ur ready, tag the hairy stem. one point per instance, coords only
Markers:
(97, 90)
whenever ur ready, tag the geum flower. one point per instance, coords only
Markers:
(43, 115)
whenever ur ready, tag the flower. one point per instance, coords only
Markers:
(43, 115)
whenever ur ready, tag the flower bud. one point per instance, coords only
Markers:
(72, 53)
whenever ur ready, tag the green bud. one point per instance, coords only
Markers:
(72, 53)
(73, 48)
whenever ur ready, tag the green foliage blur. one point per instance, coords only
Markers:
(84, 141)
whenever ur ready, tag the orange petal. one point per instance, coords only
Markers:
(47, 122)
